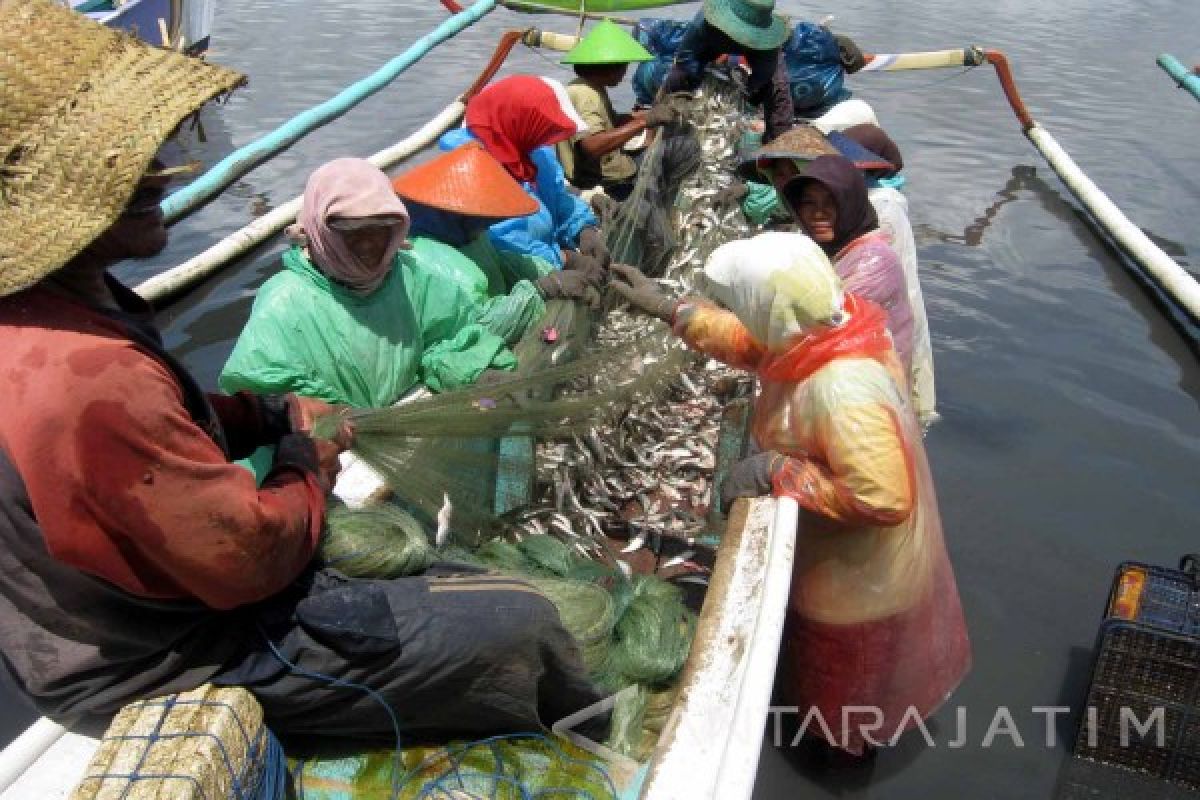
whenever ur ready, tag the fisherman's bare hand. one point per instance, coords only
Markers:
(730, 195)
(594, 270)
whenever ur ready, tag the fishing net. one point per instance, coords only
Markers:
(547, 554)
(375, 542)
(612, 437)
(647, 474)
(515, 767)
(587, 612)
(628, 715)
(442, 448)
(652, 636)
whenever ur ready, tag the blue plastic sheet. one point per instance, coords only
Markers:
(814, 65)
(814, 69)
(661, 37)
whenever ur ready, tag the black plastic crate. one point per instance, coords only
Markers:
(1147, 670)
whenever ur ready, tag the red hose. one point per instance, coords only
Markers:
(507, 42)
(1007, 83)
(1000, 62)
(452, 6)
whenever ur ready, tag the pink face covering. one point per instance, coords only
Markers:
(349, 189)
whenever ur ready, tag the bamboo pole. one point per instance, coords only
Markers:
(167, 284)
(246, 158)
(936, 59)
(1159, 268)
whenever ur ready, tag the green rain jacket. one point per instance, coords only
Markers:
(310, 336)
(500, 282)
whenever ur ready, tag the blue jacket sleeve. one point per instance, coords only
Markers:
(569, 211)
(455, 137)
(517, 236)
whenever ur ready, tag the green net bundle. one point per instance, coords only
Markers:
(587, 612)
(652, 637)
(631, 631)
(628, 719)
(514, 767)
(548, 554)
(376, 542)
(658, 709)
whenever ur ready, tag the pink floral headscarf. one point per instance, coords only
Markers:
(348, 188)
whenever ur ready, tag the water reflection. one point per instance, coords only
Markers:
(1169, 327)
(972, 235)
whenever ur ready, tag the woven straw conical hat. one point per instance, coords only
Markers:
(800, 144)
(83, 110)
(467, 181)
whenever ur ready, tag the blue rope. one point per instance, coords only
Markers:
(398, 757)
(456, 754)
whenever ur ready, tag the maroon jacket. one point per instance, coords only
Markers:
(124, 527)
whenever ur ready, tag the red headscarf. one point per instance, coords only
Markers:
(516, 115)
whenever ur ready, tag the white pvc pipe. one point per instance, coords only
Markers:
(237, 244)
(1166, 273)
(26, 749)
(550, 40)
(739, 764)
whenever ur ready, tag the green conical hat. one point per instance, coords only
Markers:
(607, 43)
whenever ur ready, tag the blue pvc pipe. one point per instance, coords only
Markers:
(241, 161)
(1182, 75)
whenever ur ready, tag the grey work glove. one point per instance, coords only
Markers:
(569, 285)
(642, 293)
(591, 243)
(606, 207)
(730, 194)
(660, 114)
(595, 270)
(753, 476)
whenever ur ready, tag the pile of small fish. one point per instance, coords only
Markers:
(648, 477)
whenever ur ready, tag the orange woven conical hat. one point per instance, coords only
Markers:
(466, 181)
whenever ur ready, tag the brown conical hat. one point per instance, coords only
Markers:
(466, 181)
(83, 110)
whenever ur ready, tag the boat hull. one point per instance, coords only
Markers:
(190, 18)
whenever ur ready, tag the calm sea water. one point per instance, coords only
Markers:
(1070, 438)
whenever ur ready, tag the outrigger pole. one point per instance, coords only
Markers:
(180, 278)
(1159, 268)
(166, 285)
(244, 159)
(1184, 78)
